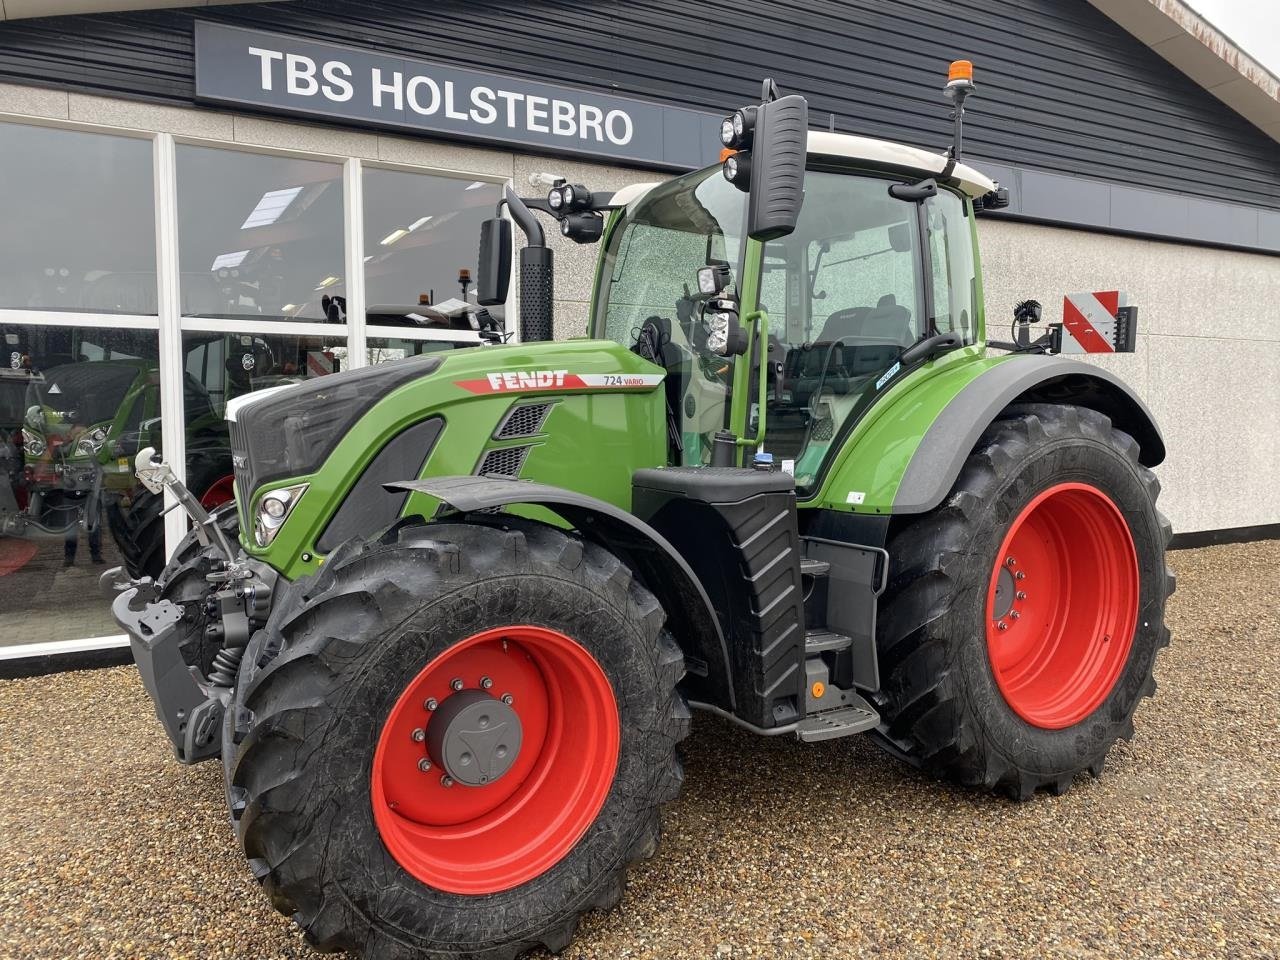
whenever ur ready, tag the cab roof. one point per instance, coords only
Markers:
(867, 150)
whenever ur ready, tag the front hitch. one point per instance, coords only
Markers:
(156, 475)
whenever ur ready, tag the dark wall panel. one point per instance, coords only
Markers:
(1061, 87)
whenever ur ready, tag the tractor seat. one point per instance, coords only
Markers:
(886, 323)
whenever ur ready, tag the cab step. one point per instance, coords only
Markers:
(824, 641)
(854, 717)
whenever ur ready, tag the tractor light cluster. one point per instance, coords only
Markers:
(32, 443)
(568, 198)
(736, 129)
(91, 442)
(724, 334)
(273, 509)
(712, 279)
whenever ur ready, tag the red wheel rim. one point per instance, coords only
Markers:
(492, 837)
(222, 491)
(1062, 605)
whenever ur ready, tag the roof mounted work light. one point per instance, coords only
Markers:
(568, 197)
(737, 128)
(582, 227)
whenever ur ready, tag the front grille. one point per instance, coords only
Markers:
(240, 462)
(523, 420)
(506, 462)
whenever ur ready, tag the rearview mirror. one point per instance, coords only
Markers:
(493, 273)
(778, 150)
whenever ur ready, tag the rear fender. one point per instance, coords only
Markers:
(690, 615)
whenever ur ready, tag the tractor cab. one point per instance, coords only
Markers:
(864, 276)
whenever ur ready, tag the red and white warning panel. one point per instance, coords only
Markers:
(1101, 322)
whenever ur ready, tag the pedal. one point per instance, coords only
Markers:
(841, 722)
(824, 641)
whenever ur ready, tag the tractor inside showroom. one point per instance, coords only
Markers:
(447, 642)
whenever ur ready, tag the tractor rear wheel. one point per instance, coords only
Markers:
(1023, 616)
(452, 741)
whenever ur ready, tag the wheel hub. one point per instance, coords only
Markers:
(474, 737)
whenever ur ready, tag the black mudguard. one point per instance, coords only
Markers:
(1021, 379)
(690, 615)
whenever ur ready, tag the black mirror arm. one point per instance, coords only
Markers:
(930, 347)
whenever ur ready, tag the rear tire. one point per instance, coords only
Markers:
(351, 652)
(954, 701)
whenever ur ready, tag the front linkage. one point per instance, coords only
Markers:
(166, 637)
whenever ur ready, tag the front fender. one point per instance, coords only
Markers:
(690, 615)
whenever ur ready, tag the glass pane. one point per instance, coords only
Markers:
(384, 349)
(421, 241)
(218, 367)
(77, 231)
(260, 237)
(951, 248)
(76, 405)
(853, 295)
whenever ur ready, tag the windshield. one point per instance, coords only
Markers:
(650, 267)
(81, 394)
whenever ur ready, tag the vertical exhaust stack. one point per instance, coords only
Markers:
(537, 270)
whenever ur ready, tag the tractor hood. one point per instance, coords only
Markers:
(581, 413)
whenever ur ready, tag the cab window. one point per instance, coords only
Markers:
(844, 295)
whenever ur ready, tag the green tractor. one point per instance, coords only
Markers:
(451, 636)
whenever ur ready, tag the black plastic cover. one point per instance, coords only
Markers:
(493, 271)
(369, 506)
(778, 153)
(293, 432)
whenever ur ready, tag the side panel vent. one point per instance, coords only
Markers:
(506, 462)
(523, 420)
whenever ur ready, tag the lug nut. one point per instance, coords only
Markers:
(419, 735)
(456, 683)
(1021, 595)
(1011, 562)
(486, 683)
(446, 781)
(507, 699)
(1014, 615)
(1002, 625)
(1020, 575)
(430, 704)
(424, 764)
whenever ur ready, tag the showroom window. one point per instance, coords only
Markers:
(149, 279)
(77, 232)
(259, 237)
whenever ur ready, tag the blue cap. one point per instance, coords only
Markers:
(763, 457)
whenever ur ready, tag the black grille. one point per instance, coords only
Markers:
(823, 430)
(506, 462)
(523, 421)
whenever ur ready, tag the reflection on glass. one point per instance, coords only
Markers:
(76, 405)
(260, 237)
(421, 239)
(384, 349)
(78, 229)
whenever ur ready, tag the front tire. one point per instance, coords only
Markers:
(1023, 616)
(338, 757)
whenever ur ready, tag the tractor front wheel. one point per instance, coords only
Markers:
(1021, 623)
(452, 741)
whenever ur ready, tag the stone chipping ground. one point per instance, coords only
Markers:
(110, 850)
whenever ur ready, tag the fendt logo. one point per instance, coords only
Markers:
(530, 380)
(506, 381)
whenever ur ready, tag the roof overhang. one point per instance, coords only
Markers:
(1202, 52)
(23, 9)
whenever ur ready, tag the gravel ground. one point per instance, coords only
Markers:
(108, 849)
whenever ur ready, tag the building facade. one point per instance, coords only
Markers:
(204, 201)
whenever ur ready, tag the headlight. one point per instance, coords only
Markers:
(555, 200)
(737, 170)
(274, 508)
(726, 131)
(91, 442)
(32, 443)
(724, 335)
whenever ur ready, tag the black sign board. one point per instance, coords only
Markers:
(284, 74)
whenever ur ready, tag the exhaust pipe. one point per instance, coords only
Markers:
(537, 273)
